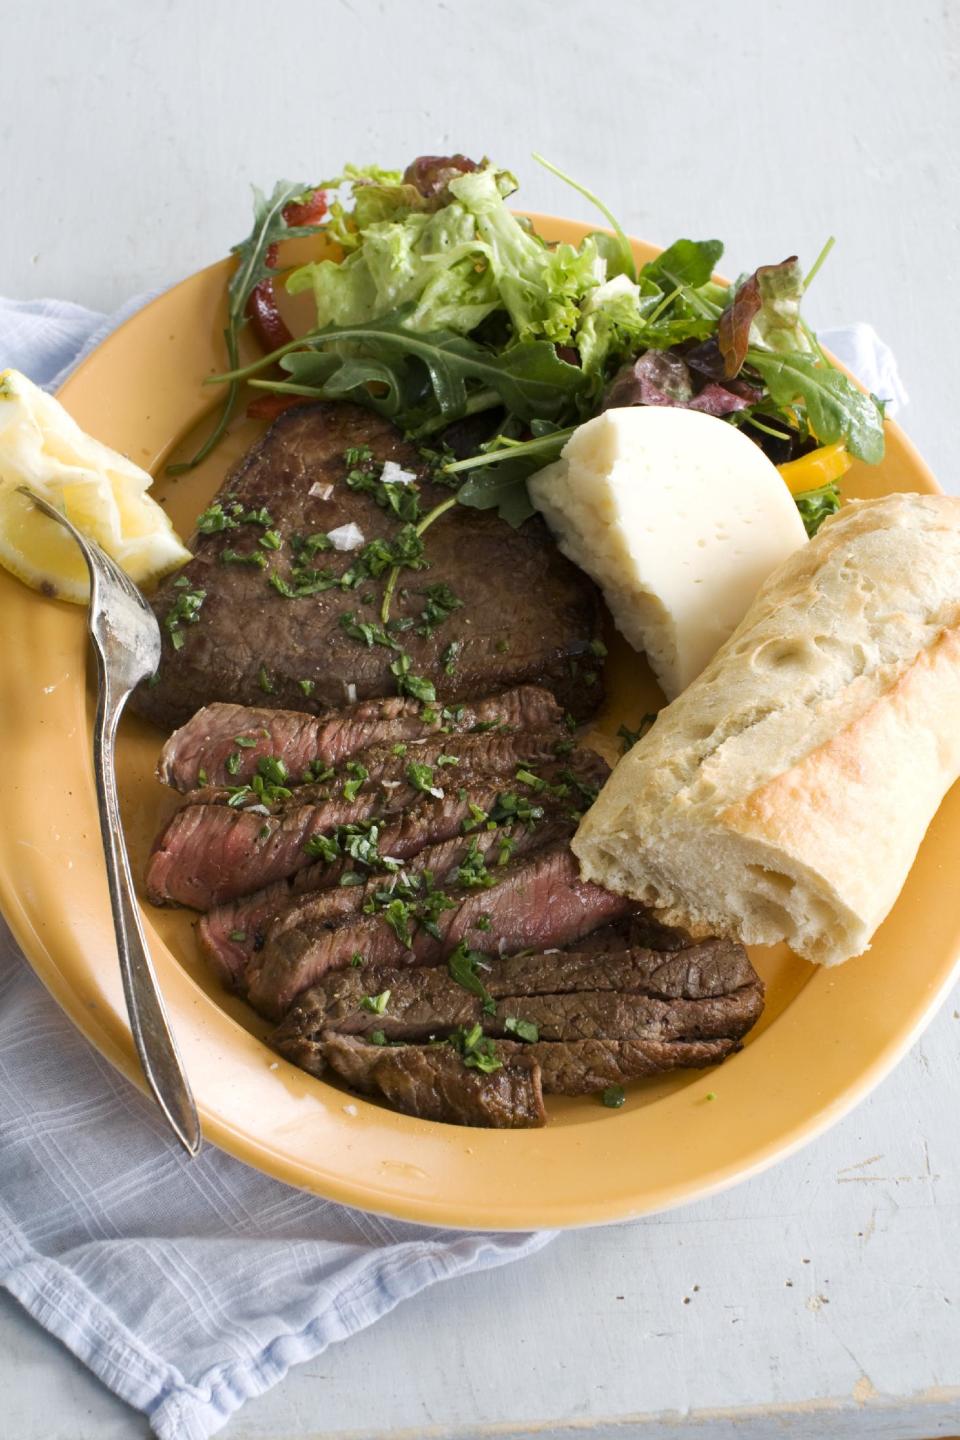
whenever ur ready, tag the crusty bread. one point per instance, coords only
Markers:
(784, 795)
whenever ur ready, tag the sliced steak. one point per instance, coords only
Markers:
(208, 854)
(211, 853)
(433, 1083)
(709, 991)
(580, 1067)
(231, 936)
(582, 771)
(527, 613)
(245, 735)
(534, 903)
(567, 1067)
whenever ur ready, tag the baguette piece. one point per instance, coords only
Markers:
(784, 795)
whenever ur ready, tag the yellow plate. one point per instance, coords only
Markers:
(827, 1036)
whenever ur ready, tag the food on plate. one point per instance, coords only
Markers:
(103, 493)
(286, 601)
(227, 743)
(381, 851)
(783, 796)
(441, 308)
(586, 1021)
(678, 517)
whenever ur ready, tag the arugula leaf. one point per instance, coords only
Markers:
(253, 267)
(835, 408)
(685, 263)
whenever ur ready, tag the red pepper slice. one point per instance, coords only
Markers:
(268, 324)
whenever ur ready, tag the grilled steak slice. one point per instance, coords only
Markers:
(580, 1067)
(708, 991)
(232, 935)
(433, 1083)
(245, 735)
(582, 771)
(567, 1067)
(208, 854)
(527, 614)
(534, 903)
(211, 853)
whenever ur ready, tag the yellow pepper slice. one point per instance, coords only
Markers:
(818, 468)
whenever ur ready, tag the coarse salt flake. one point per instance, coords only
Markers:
(394, 474)
(321, 492)
(350, 1110)
(274, 1066)
(346, 537)
(351, 693)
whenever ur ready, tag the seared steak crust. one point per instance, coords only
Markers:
(527, 614)
(434, 1084)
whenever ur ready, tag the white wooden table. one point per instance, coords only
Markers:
(821, 1300)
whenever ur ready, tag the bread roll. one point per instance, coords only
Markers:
(784, 795)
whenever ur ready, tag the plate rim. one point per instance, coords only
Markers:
(416, 1207)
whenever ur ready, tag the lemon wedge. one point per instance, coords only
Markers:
(102, 492)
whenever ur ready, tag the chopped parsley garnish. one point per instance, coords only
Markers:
(448, 760)
(377, 1037)
(271, 540)
(309, 545)
(214, 519)
(441, 603)
(472, 871)
(408, 684)
(358, 455)
(307, 686)
(401, 499)
(351, 877)
(502, 646)
(421, 778)
(316, 772)
(629, 738)
(366, 631)
(397, 915)
(232, 765)
(268, 785)
(202, 777)
(613, 1097)
(218, 517)
(523, 1029)
(450, 656)
(475, 1051)
(265, 683)
(358, 774)
(484, 923)
(598, 648)
(246, 742)
(323, 847)
(376, 1004)
(238, 935)
(399, 749)
(506, 846)
(184, 611)
(255, 558)
(462, 965)
(356, 960)
(477, 816)
(510, 807)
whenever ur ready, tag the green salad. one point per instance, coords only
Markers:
(487, 344)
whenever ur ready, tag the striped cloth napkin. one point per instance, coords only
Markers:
(189, 1286)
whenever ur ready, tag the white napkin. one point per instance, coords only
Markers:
(188, 1286)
